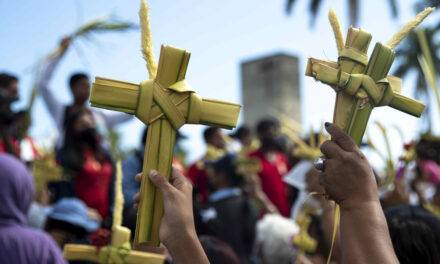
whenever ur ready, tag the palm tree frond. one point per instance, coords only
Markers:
(393, 7)
(289, 6)
(314, 9)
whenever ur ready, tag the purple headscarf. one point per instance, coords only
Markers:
(18, 242)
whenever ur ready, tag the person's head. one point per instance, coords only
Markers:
(217, 251)
(223, 173)
(268, 131)
(274, 239)
(79, 84)
(415, 234)
(81, 126)
(214, 136)
(428, 148)
(8, 86)
(80, 133)
(244, 135)
(21, 124)
(16, 190)
(69, 221)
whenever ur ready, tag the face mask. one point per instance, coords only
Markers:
(271, 143)
(89, 136)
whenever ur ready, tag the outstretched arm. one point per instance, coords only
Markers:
(55, 107)
(177, 230)
(348, 179)
(112, 118)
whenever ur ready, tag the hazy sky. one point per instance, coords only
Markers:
(219, 34)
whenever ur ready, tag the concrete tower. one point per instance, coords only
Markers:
(270, 85)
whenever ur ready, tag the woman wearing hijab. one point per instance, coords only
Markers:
(18, 242)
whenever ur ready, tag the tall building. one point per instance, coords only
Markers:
(270, 86)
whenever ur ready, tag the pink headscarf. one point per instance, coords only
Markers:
(431, 169)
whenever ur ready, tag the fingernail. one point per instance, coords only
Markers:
(153, 173)
(327, 124)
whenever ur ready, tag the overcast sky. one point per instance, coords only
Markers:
(219, 34)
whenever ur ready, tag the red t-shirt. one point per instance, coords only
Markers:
(15, 145)
(271, 177)
(199, 179)
(92, 184)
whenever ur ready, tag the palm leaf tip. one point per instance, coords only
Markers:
(106, 24)
(337, 30)
(408, 27)
(147, 39)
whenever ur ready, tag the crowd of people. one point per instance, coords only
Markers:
(251, 198)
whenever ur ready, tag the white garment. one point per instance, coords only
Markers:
(296, 178)
(274, 234)
(104, 118)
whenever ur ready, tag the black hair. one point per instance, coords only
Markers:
(267, 123)
(242, 132)
(217, 251)
(71, 153)
(428, 148)
(415, 234)
(209, 132)
(77, 231)
(228, 166)
(77, 76)
(6, 79)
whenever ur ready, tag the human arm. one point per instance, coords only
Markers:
(55, 107)
(112, 118)
(177, 230)
(253, 188)
(348, 179)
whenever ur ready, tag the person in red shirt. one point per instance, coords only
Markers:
(274, 164)
(215, 149)
(87, 163)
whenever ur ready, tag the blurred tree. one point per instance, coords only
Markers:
(353, 9)
(420, 5)
(407, 58)
(410, 50)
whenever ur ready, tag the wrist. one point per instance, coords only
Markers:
(353, 205)
(187, 236)
(186, 249)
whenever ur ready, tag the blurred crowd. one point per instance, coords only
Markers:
(257, 197)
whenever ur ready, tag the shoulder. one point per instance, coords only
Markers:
(35, 242)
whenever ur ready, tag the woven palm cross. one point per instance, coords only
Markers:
(164, 103)
(362, 83)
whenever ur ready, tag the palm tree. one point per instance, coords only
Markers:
(353, 7)
(409, 51)
(407, 58)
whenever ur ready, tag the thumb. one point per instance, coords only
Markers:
(160, 182)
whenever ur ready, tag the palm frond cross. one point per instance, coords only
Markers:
(362, 83)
